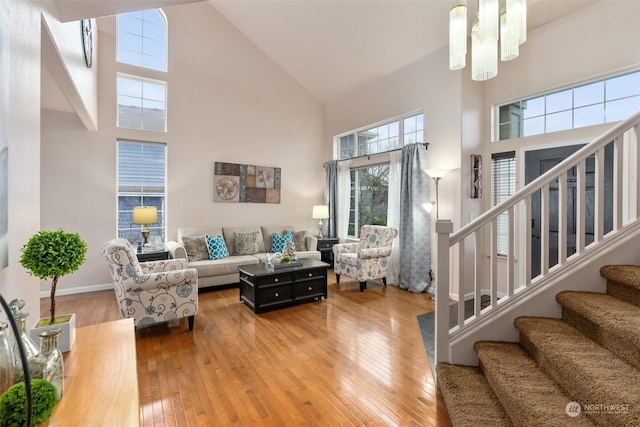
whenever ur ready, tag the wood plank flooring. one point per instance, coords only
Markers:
(352, 359)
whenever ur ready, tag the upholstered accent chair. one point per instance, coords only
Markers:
(151, 292)
(367, 259)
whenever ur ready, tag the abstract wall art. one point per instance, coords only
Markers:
(239, 183)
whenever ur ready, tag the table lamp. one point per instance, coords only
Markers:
(320, 212)
(145, 215)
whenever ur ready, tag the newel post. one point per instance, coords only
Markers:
(444, 228)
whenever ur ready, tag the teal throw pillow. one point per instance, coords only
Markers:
(216, 246)
(277, 241)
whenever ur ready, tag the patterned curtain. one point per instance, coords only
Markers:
(415, 227)
(331, 197)
(393, 213)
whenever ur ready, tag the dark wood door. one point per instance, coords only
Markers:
(538, 162)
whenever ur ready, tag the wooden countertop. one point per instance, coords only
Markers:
(101, 378)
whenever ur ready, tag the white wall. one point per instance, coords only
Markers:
(227, 101)
(24, 153)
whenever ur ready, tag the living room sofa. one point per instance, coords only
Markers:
(224, 271)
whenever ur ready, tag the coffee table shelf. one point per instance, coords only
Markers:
(264, 289)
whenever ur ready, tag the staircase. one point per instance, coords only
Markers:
(582, 369)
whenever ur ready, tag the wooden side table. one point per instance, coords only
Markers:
(100, 378)
(325, 246)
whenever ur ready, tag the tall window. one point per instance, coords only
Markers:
(142, 103)
(503, 185)
(605, 101)
(370, 183)
(141, 182)
(369, 196)
(142, 39)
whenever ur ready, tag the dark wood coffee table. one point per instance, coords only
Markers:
(264, 289)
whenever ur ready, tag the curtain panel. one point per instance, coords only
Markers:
(415, 223)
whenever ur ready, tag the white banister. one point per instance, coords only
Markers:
(589, 218)
(444, 228)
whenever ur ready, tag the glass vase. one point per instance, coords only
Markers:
(34, 359)
(53, 370)
(7, 370)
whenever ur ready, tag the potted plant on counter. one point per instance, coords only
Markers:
(51, 255)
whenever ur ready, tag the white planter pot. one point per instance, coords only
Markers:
(67, 337)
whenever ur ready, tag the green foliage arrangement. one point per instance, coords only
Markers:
(51, 255)
(13, 403)
(286, 258)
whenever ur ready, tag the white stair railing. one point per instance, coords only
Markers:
(478, 263)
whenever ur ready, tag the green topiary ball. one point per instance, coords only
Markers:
(13, 403)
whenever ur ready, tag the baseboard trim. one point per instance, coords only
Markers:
(80, 290)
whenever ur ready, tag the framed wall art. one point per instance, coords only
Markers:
(240, 183)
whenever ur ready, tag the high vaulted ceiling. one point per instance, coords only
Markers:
(333, 47)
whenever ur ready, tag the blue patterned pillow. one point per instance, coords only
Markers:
(216, 246)
(277, 241)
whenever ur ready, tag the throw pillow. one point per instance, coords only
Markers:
(278, 241)
(196, 248)
(246, 243)
(300, 240)
(217, 247)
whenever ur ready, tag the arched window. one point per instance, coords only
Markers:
(142, 39)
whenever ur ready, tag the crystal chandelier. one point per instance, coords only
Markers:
(507, 24)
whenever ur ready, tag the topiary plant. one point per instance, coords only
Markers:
(13, 403)
(51, 255)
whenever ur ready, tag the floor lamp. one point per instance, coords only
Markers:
(437, 175)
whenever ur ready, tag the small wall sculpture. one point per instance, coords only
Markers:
(476, 176)
(239, 183)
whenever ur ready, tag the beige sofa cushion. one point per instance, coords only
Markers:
(194, 232)
(222, 266)
(229, 238)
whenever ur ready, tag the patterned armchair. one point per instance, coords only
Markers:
(151, 292)
(369, 258)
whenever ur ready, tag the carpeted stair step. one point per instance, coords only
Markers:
(623, 282)
(591, 374)
(610, 322)
(529, 396)
(469, 398)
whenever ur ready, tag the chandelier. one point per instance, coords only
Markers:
(508, 24)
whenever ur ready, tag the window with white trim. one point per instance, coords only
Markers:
(141, 181)
(142, 103)
(503, 185)
(370, 183)
(142, 39)
(605, 101)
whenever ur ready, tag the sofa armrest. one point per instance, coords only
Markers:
(164, 265)
(177, 250)
(374, 253)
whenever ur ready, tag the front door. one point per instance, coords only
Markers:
(538, 162)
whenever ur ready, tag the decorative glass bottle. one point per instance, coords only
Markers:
(34, 358)
(54, 366)
(7, 370)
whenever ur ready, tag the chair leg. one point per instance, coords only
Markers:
(363, 286)
(191, 319)
(337, 278)
(384, 281)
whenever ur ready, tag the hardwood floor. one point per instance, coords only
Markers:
(352, 359)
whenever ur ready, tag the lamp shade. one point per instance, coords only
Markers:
(320, 212)
(436, 173)
(145, 215)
